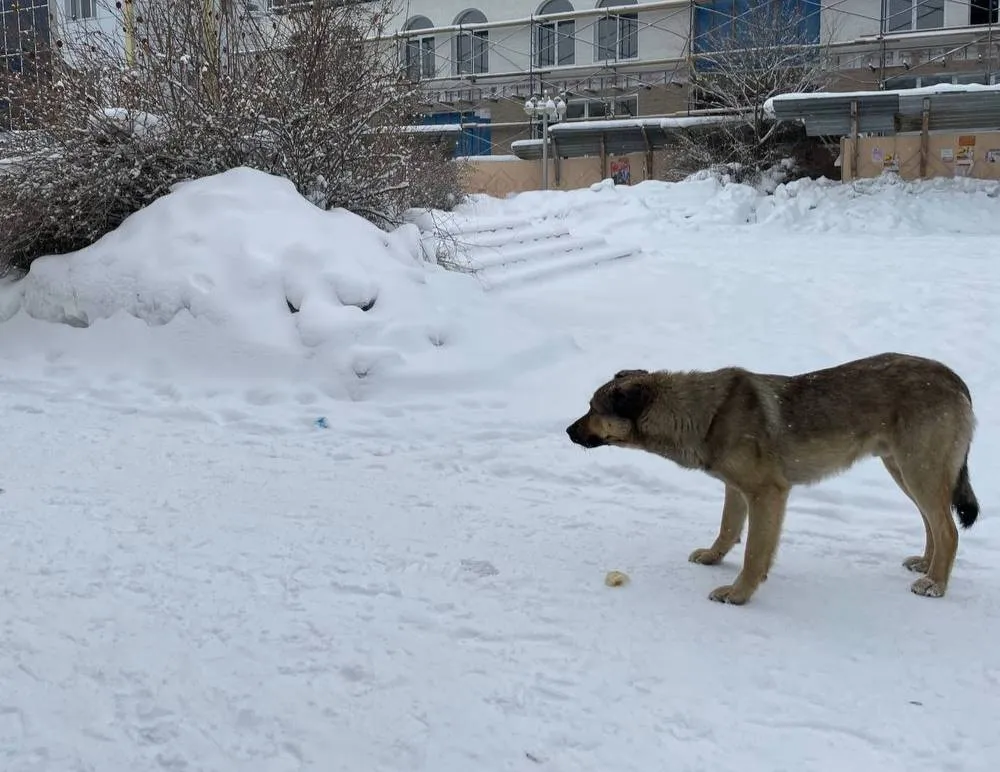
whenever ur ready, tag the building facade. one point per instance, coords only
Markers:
(477, 61)
(623, 58)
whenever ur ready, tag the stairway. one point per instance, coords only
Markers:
(507, 251)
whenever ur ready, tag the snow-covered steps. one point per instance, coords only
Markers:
(525, 232)
(544, 250)
(510, 274)
(504, 251)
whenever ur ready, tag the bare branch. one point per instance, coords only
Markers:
(309, 96)
(764, 48)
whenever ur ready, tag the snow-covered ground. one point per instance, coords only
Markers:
(196, 575)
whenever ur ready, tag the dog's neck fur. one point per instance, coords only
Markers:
(676, 424)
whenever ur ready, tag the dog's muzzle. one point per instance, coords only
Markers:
(579, 435)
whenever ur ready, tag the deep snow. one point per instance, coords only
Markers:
(197, 577)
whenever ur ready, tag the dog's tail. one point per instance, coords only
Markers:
(963, 498)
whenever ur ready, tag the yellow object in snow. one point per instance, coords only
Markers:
(615, 579)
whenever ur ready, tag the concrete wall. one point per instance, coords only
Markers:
(948, 154)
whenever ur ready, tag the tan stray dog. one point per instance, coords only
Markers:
(764, 434)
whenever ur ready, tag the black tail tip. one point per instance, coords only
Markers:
(967, 513)
(963, 500)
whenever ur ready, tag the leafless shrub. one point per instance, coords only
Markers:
(193, 90)
(763, 50)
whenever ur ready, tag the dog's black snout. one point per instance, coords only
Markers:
(579, 434)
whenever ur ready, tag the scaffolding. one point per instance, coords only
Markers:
(518, 62)
(26, 52)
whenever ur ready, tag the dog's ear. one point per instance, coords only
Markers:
(630, 400)
(626, 373)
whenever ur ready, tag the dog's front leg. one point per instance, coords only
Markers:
(734, 515)
(767, 511)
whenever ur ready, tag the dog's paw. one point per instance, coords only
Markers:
(705, 557)
(927, 587)
(729, 593)
(917, 564)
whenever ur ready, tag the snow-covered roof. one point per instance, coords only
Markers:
(964, 107)
(617, 136)
(619, 124)
(940, 88)
(434, 128)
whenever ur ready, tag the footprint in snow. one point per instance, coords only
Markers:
(480, 567)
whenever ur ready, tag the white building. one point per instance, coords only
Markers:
(627, 57)
(478, 60)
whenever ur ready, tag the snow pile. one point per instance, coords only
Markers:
(124, 121)
(239, 266)
(706, 202)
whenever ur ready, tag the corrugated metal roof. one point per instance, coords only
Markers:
(957, 108)
(959, 111)
(831, 115)
(823, 114)
(572, 140)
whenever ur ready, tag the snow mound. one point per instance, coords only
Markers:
(706, 202)
(256, 265)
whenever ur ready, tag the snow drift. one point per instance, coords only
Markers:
(885, 204)
(262, 270)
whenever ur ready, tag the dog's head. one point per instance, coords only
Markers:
(614, 410)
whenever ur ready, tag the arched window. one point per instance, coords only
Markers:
(617, 34)
(418, 23)
(419, 59)
(472, 46)
(555, 41)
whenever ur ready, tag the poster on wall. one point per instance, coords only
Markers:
(966, 152)
(891, 162)
(993, 156)
(621, 171)
(947, 154)
(878, 155)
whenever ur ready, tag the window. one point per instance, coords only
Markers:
(555, 41)
(24, 49)
(983, 11)
(419, 57)
(81, 9)
(724, 28)
(472, 46)
(906, 15)
(612, 107)
(617, 36)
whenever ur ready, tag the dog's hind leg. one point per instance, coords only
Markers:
(734, 515)
(932, 490)
(766, 514)
(917, 563)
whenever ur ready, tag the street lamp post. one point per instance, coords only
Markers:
(547, 109)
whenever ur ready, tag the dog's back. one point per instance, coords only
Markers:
(889, 405)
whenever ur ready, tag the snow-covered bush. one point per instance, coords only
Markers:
(310, 95)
